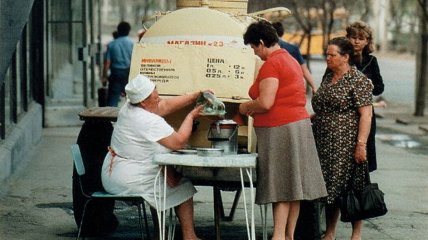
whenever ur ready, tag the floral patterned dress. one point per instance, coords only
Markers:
(335, 126)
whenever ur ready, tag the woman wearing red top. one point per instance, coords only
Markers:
(288, 169)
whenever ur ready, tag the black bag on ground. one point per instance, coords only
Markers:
(308, 223)
(364, 204)
(102, 96)
(93, 139)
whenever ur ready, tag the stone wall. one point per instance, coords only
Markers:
(16, 150)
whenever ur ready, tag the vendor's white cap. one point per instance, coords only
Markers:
(139, 88)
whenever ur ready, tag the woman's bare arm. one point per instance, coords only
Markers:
(170, 105)
(177, 140)
(363, 133)
(268, 88)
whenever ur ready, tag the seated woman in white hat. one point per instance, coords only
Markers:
(139, 133)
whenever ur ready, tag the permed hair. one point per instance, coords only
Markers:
(361, 29)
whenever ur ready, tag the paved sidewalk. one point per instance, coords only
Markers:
(38, 204)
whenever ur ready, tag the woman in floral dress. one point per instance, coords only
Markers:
(343, 111)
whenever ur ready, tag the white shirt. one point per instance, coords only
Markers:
(134, 140)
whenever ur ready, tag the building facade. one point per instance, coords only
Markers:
(48, 72)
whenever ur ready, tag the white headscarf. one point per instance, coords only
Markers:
(139, 88)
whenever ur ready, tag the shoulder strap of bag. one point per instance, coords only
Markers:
(366, 172)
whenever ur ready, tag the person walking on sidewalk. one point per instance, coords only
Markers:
(361, 37)
(117, 61)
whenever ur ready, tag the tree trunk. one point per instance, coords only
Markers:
(422, 66)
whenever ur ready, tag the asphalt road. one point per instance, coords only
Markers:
(398, 72)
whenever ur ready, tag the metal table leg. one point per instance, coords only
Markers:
(217, 211)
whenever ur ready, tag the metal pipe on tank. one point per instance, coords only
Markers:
(205, 3)
(228, 6)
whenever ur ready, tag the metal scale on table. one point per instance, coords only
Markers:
(222, 133)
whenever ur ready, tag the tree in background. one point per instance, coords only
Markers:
(315, 17)
(305, 18)
(136, 12)
(422, 59)
(403, 27)
(142, 11)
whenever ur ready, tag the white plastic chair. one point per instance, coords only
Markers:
(134, 199)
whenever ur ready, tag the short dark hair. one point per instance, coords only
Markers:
(279, 28)
(123, 29)
(258, 31)
(345, 47)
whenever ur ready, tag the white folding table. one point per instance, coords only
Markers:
(245, 162)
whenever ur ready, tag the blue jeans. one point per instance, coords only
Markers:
(116, 86)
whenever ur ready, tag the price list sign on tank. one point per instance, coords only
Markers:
(178, 69)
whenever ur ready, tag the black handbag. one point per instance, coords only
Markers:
(359, 205)
(102, 96)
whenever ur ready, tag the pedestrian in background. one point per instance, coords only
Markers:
(361, 36)
(295, 52)
(288, 169)
(341, 123)
(103, 90)
(117, 61)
